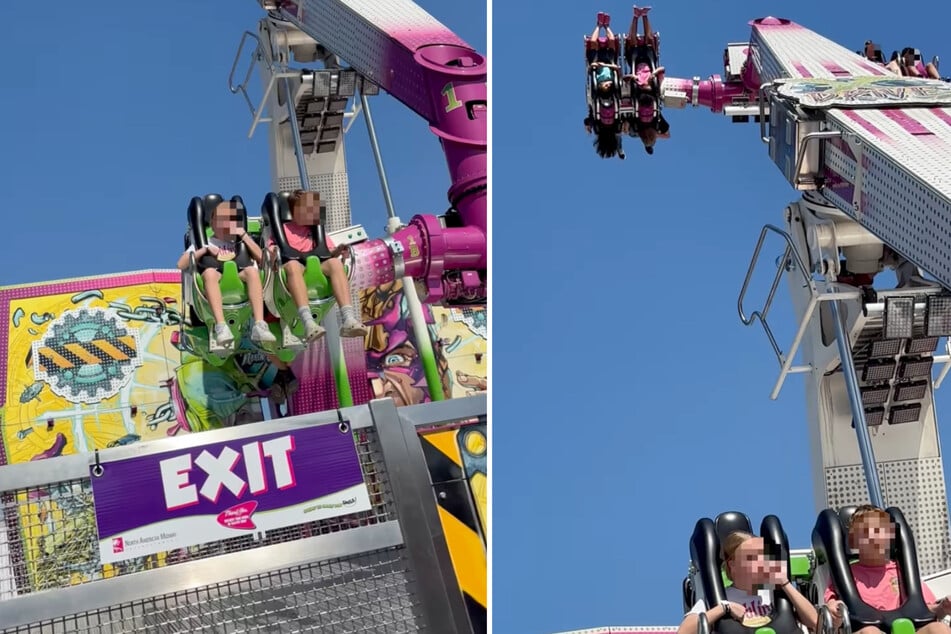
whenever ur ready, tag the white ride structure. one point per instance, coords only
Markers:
(870, 153)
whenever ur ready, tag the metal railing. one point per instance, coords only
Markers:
(790, 260)
(376, 570)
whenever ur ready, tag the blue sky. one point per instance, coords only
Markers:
(629, 400)
(623, 381)
(115, 117)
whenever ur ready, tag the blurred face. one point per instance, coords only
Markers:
(306, 210)
(872, 537)
(752, 567)
(869, 50)
(225, 219)
(910, 59)
(605, 86)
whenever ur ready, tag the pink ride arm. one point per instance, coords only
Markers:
(423, 64)
(445, 259)
(711, 93)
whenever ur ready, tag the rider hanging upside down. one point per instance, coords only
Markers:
(602, 54)
(641, 53)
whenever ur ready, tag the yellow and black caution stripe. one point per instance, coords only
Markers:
(460, 522)
(98, 351)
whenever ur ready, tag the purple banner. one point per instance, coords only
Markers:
(219, 490)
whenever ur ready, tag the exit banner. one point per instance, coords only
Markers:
(171, 500)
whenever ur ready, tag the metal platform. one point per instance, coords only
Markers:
(383, 570)
(873, 143)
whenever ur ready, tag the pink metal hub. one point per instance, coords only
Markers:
(456, 77)
(447, 260)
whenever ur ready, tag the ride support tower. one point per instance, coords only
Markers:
(868, 150)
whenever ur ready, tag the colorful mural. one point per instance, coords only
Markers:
(88, 364)
(393, 365)
(99, 362)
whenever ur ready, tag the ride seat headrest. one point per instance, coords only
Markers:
(730, 522)
(200, 211)
(845, 516)
(283, 202)
(211, 201)
(830, 543)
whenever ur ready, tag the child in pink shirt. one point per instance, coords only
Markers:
(305, 215)
(871, 532)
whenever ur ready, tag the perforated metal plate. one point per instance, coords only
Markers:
(906, 194)
(334, 188)
(795, 51)
(378, 38)
(914, 486)
(369, 593)
(362, 593)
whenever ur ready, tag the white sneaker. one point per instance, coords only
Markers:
(312, 331)
(223, 336)
(260, 333)
(353, 328)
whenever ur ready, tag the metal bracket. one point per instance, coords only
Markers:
(801, 156)
(762, 112)
(858, 149)
(791, 253)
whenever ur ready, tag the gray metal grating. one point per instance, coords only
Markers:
(914, 486)
(334, 188)
(66, 551)
(368, 593)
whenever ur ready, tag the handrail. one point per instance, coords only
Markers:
(804, 143)
(274, 73)
(846, 619)
(242, 87)
(703, 626)
(785, 360)
(762, 112)
(826, 625)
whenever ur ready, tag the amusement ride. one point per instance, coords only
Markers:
(415, 558)
(866, 141)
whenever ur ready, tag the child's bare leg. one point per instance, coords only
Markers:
(333, 269)
(932, 71)
(252, 281)
(211, 278)
(594, 34)
(222, 333)
(298, 291)
(936, 627)
(352, 326)
(295, 283)
(893, 67)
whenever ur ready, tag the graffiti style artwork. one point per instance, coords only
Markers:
(394, 368)
(875, 91)
(87, 363)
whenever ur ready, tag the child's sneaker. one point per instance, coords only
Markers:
(223, 336)
(312, 331)
(353, 328)
(260, 333)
